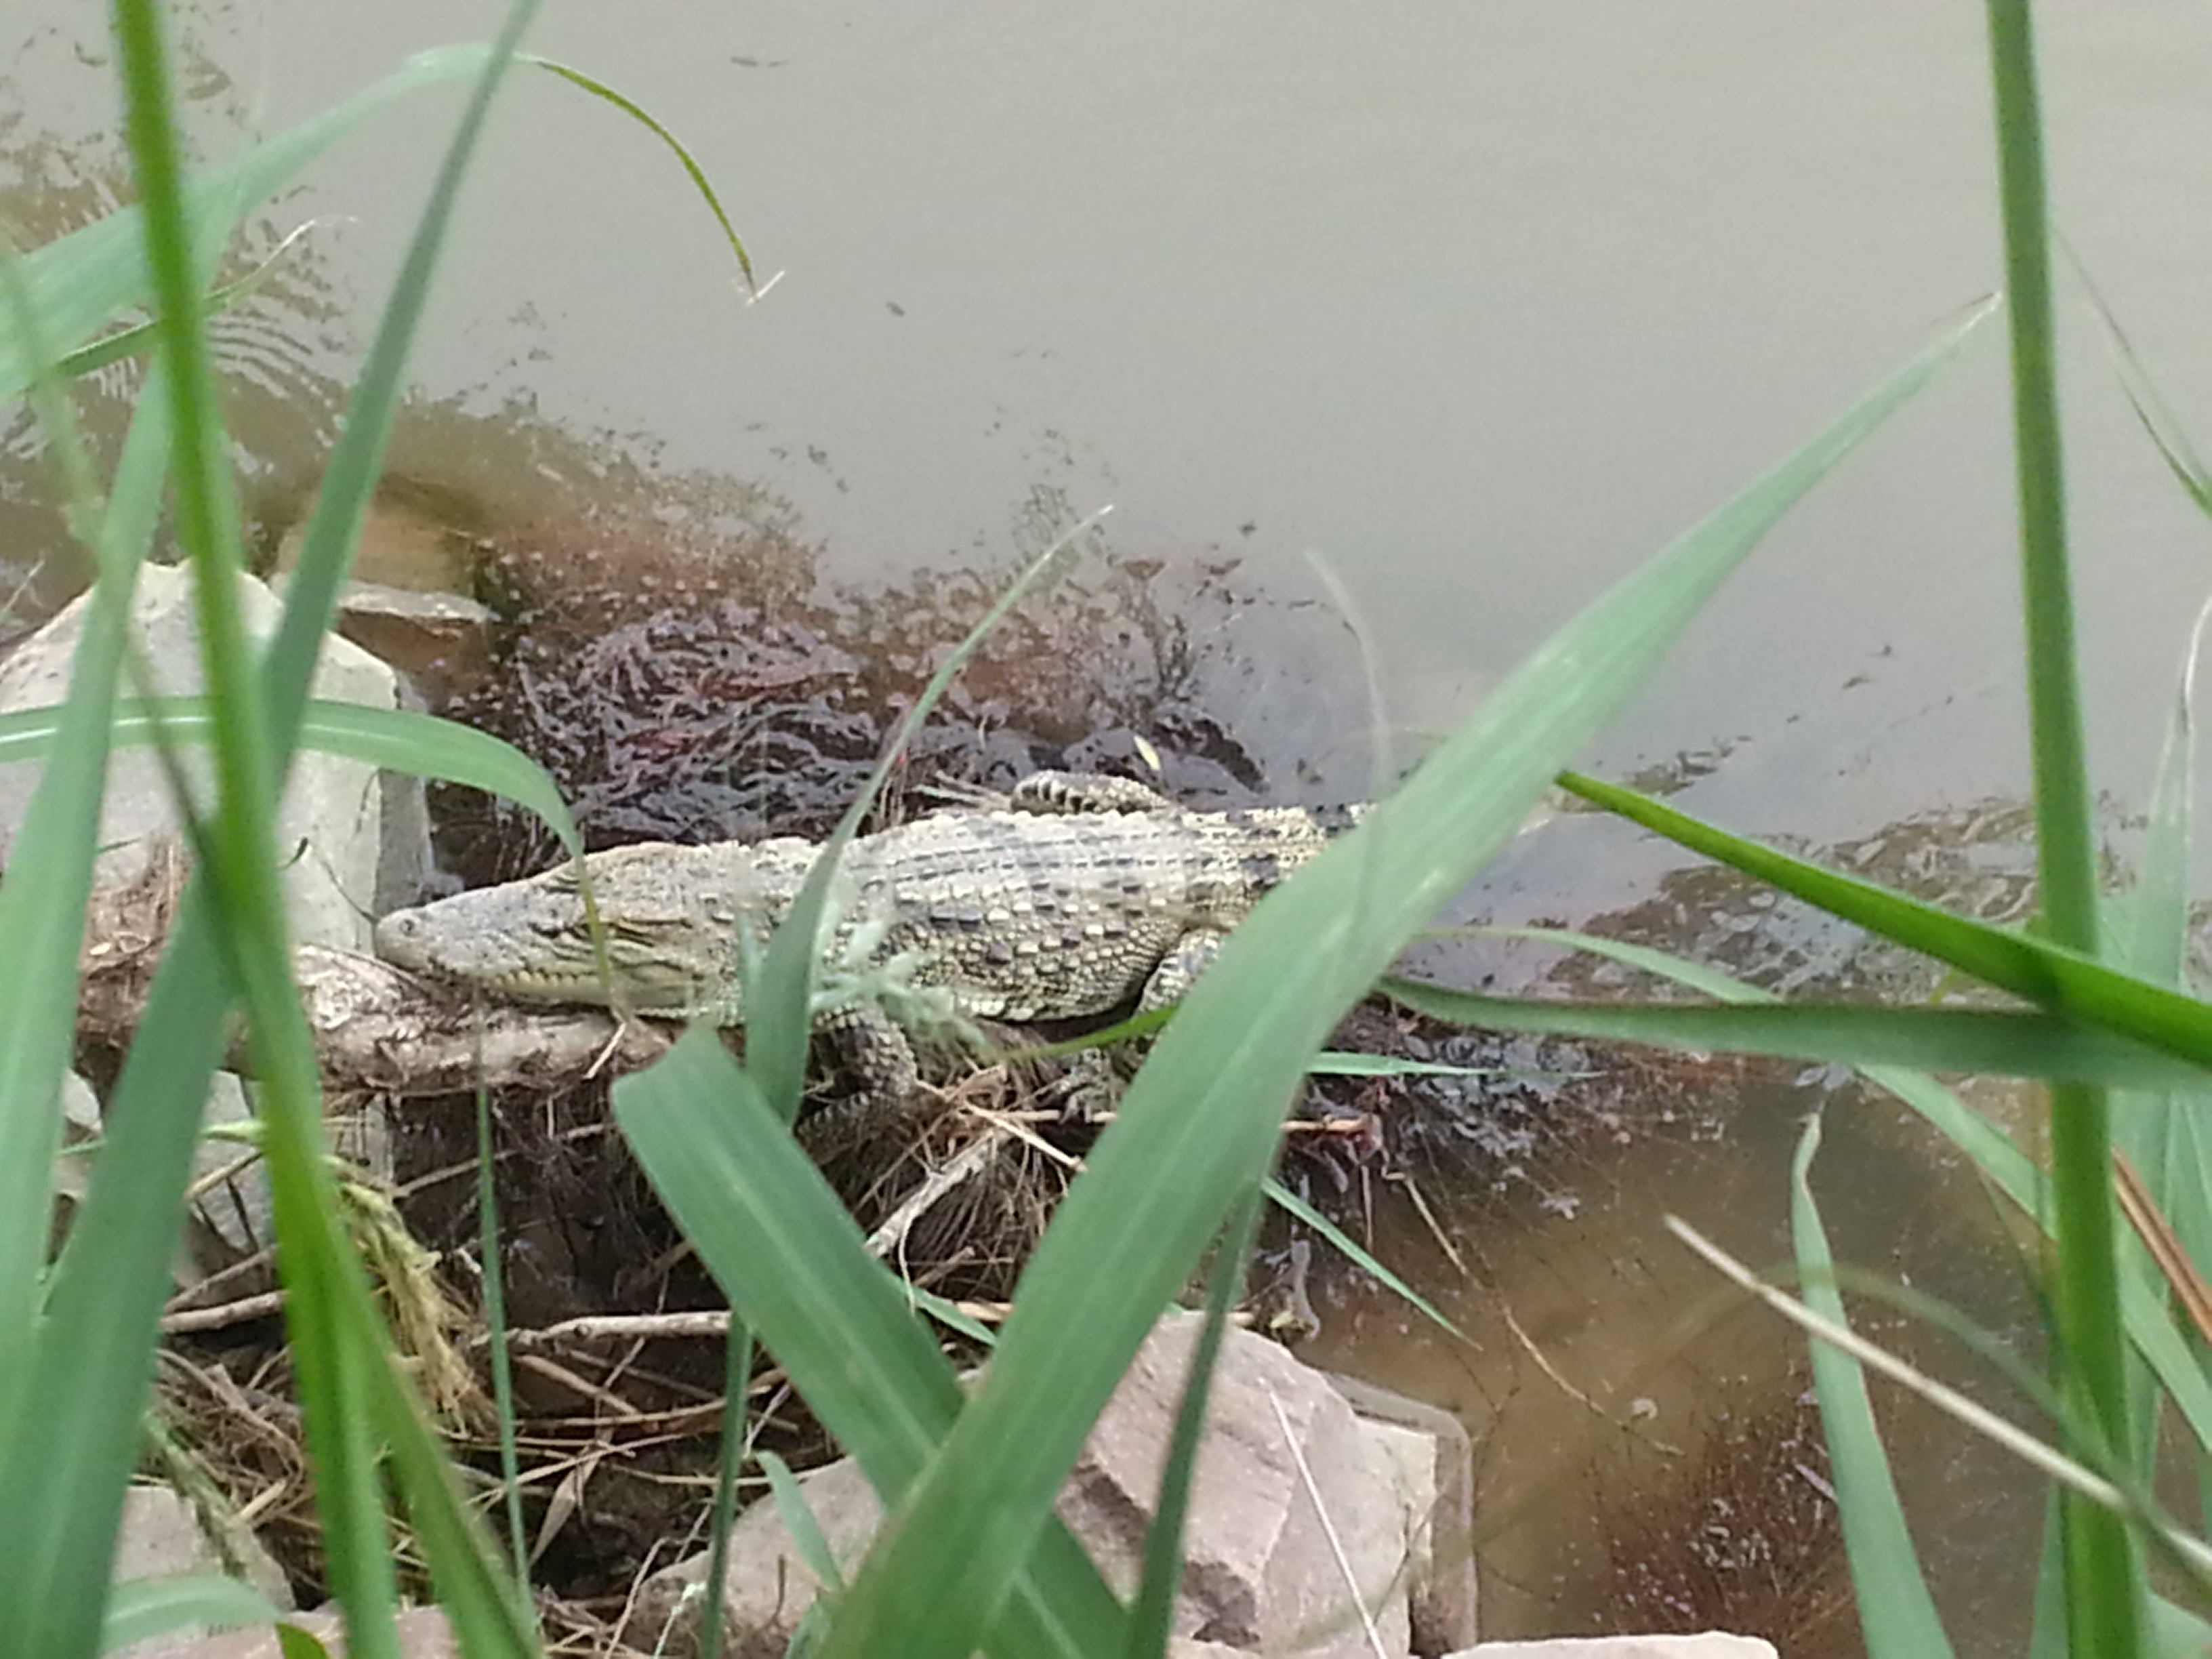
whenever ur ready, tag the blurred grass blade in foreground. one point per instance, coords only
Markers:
(71, 1409)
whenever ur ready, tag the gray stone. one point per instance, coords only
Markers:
(79, 1106)
(1709, 1644)
(80, 1124)
(1264, 1565)
(768, 1586)
(407, 861)
(207, 1244)
(329, 830)
(440, 641)
(1436, 1456)
(162, 1537)
(234, 1213)
(1284, 1529)
(235, 1216)
(424, 1633)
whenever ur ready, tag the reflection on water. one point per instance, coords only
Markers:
(1481, 306)
(673, 651)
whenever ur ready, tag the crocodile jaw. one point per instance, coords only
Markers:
(671, 917)
(559, 967)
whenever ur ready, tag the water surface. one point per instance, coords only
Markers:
(1430, 324)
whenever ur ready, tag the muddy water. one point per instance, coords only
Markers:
(1471, 310)
(1647, 1455)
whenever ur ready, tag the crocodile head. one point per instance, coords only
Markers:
(672, 917)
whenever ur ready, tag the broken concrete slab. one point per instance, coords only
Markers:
(1304, 1535)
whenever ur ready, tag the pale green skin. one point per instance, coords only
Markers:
(1098, 894)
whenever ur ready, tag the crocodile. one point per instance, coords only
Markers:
(1072, 896)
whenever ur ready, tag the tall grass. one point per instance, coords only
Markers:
(975, 1557)
(77, 1341)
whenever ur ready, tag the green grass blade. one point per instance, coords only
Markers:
(2025, 1045)
(73, 1435)
(1291, 1205)
(1350, 1064)
(2062, 981)
(354, 1406)
(397, 740)
(54, 1554)
(2151, 411)
(2159, 1128)
(500, 1352)
(106, 1288)
(488, 1610)
(84, 281)
(2149, 1323)
(600, 89)
(2104, 1575)
(737, 1379)
(142, 338)
(800, 1521)
(2176, 1632)
(1151, 1616)
(2158, 1018)
(948, 1314)
(238, 862)
(42, 911)
(1200, 1121)
(796, 1269)
(2105, 1485)
(356, 461)
(1896, 1611)
(2065, 835)
(144, 1609)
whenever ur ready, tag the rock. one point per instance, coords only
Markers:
(767, 1588)
(416, 563)
(80, 1125)
(424, 1633)
(162, 1537)
(442, 642)
(1262, 1568)
(1259, 1567)
(235, 1216)
(417, 537)
(1710, 1644)
(1437, 1459)
(331, 826)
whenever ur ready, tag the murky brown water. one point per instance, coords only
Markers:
(1475, 305)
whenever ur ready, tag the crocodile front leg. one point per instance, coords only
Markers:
(1178, 971)
(1096, 1076)
(876, 1055)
